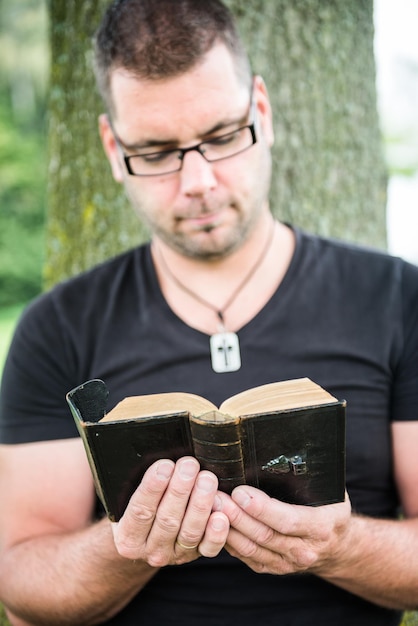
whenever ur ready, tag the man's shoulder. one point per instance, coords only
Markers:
(96, 284)
(109, 269)
(355, 267)
(332, 250)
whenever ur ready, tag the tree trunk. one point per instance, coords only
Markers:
(318, 62)
(329, 175)
(88, 216)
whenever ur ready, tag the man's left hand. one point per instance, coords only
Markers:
(273, 537)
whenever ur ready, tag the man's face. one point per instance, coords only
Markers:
(206, 210)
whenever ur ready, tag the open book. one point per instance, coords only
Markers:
(286, 438)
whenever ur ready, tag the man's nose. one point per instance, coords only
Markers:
(197, 175)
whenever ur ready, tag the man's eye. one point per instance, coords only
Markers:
(156, 157)
(224, 140)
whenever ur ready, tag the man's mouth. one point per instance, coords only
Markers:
(206, 220)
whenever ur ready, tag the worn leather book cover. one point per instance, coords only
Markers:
(286, 438)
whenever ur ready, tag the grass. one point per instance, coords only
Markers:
(3, 619)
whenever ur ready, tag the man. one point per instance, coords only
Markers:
(188, 133)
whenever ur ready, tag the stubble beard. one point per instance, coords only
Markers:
(199, 245)
(218, 247)
(206, 248)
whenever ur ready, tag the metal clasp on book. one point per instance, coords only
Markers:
(283, 464)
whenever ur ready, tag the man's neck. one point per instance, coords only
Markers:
(187, 284)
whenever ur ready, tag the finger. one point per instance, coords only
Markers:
(251, 530)
(216, 534)
(171, 510)
(290, 519)
(131, 532)
(262, 548)
(260, 559)
(198, 510)
(280, 555)
(256, 507)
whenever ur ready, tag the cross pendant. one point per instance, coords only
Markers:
(225, 352)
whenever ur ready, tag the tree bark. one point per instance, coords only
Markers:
(88, 216)
(318, 62)
(329, 175)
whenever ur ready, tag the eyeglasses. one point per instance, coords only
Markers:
(218, 148)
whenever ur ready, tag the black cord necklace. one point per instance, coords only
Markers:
(224, 345)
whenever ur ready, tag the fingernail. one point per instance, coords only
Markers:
(241, 498)
(164, 469)
(218, 523)
(188, 469)
(206, 483)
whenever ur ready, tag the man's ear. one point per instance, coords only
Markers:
(263, 106)
(110, 147)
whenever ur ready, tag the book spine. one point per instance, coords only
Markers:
(218, 448)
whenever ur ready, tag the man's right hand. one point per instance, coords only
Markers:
(169, 519)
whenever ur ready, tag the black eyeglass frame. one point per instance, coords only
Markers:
(196, 148)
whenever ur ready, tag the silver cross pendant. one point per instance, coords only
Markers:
(225, 352)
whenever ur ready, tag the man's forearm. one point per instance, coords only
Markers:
(378, 562)
(70, 579)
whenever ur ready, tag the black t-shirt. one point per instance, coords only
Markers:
(343, 316)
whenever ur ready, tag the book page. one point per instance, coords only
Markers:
(288, 394)
(137, 407)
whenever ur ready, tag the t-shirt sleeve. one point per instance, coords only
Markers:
(405, 375)
(39, 371)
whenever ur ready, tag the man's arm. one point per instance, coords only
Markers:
(372, 558)
(56, 566)
(59, 567)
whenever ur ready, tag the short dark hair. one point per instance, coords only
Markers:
(156, 39)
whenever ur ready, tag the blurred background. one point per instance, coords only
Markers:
(24, 68)
(24, 65)
(396, 52)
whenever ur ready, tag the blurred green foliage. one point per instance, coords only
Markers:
(22, 209)
(8, 320)
(3, 620)
(23, 148)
